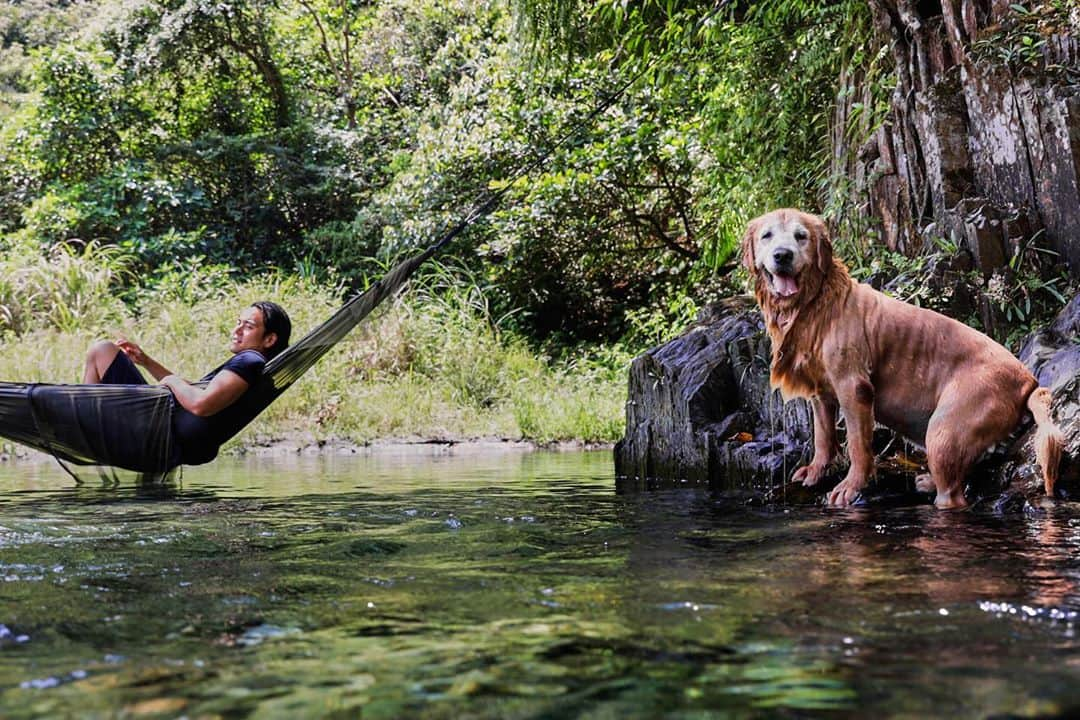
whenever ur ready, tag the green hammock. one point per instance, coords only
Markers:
(69, 421)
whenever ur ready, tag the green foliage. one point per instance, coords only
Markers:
(69, 288)
(434, 363)
(1029, 291)
(728, 114)
(1020, 40)
(630, 143)
(25, 28)
(653, 325)
(605, 215)
(1008, 305)
(319, 135)
(78, 124)
(188, 280)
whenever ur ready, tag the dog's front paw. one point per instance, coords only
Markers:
(809, 475)
(924, 483)
(846, 493)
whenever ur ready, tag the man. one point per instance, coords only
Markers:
(223, 401)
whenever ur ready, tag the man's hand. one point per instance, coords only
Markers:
(139, 357)
(133, 351)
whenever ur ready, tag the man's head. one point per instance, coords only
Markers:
(265, 326)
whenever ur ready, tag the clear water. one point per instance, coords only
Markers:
(517, 586)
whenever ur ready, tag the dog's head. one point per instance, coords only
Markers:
(789, 253)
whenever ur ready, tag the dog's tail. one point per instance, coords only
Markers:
(1049, 440)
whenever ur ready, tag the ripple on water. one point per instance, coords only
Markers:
(52, 681)
(55, 534)
(258, 634)
(22, 572)
(687, 605)
(1052, 616)
(8, 636)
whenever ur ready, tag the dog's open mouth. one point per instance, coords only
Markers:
(783, 284)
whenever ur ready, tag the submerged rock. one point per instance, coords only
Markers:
(700, 409)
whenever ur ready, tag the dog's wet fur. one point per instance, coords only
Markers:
(851, 349)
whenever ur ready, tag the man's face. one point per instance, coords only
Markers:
(250, 332)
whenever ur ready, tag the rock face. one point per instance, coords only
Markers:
(982, 138)
(700, 408)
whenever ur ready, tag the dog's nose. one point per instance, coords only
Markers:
(783, 257)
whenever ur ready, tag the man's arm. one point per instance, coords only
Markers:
(223, 390)
(139, 357)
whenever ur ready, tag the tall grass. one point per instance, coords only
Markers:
(432, 363)
(71, 287)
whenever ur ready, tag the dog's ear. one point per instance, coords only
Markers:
(749, 262)
(822, 243)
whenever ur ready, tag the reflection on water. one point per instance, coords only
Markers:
(517, 585)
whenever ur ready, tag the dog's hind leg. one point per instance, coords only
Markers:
(964, 425)
(949, 463)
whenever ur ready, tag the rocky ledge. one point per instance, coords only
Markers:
(700, 409)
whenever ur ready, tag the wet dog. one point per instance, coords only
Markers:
(851, 349)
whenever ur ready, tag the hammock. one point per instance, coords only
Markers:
(67, 421)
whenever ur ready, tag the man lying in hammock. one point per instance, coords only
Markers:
(221, 403)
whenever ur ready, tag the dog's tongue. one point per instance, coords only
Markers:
(785, 285)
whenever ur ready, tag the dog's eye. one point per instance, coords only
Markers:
(766, 235)
(801, 235)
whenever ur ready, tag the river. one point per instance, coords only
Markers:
(517, 585)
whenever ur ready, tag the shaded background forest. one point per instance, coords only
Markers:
(193, 142)
(209, 139)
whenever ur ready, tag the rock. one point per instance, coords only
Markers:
(941, 119)
(700, 409)
(1048, 352)
(967, 121)
(979, 227)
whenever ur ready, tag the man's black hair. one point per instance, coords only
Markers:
(275, 320)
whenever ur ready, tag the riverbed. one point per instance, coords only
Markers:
(518, 585)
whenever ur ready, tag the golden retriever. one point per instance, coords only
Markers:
(849, 348)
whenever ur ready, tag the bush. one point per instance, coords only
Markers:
(70, 288)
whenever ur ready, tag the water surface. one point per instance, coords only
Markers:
(517, 585)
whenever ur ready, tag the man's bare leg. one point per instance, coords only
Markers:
(98, 359)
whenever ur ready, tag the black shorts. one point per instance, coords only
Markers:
(122, 371)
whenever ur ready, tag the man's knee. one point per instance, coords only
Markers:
(103, 346)
(102, 350)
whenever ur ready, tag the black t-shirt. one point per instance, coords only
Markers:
(197, 439)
